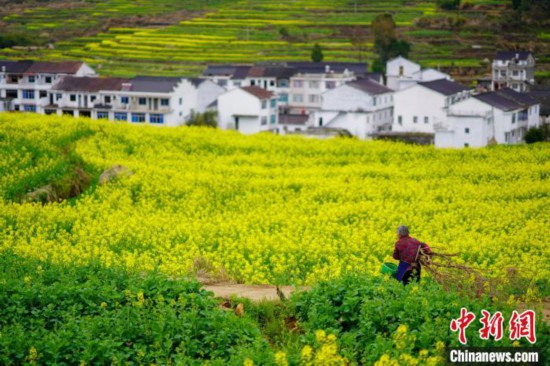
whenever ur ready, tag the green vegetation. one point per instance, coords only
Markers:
(174, 39)
(317, 53)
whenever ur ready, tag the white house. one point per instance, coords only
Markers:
(156, 100)
(502, 117)
(227, 76)
(363, 107)
(513, 69)
(24, 85)
(402, 73)
(306, 89)
(421, 106)
(248, 109)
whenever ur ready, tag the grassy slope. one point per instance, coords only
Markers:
(250, 30)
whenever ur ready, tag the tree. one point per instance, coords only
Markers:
(538, 134)
(317, 53)
(449, 4)
(207, 119)
(386, 44)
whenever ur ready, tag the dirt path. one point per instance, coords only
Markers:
(252, 292)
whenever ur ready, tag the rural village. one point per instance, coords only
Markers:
(320, 99)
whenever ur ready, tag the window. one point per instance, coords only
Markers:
(58, 96)
(42, 94)
(73, 98)
(374, 101)
(401, 70)
(138, 117)
(121, 116)
(466, 130)
(400, 120)
(314, 84)
(426, 119)
(273, 103)
(297, 98)
(107, 99)
(252, 82)
(330, 84)
(142, 101)
(502, 72)
(264, 121)
(156, 118)
(320, 121)
(29, 108)
(283, 98)
(28, 94)
(415, 119)
(32, 79)
(48, 79)
(272, 83)
(283, 83)
(466, 144)
(222, 82)
(181, 101)
(237, 84)
(313, 98)
(272, 119)
(513, 118)
(297, 83)
(102, 115)
(124, 100)
(515, 72)
(164, 102)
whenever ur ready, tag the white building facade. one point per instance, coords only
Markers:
(362, 107)
(248, 110)
(422, 106)
(402, 73)
(495, 117)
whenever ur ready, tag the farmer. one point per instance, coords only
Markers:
(407, 252)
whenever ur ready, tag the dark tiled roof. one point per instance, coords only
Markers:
(277, 72)
(258, 92)
(196, 81)
(220, 70)
(154, 84)
(65, 67)
(359, 68)
(376, 76)
(369, 86)
(88, 84)
(444, 86)
(16, 67)
(293, 119)
(498, 101)
(509, 55)
(241, 72)
(521, 98)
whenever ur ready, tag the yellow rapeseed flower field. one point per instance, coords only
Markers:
(270, 209)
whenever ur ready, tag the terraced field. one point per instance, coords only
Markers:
(260, 30)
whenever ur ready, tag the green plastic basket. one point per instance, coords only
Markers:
(389, 268)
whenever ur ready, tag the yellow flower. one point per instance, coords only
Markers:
(306, 353)
(248, 362)
(103, 305)
(320, 335)
(280, 359)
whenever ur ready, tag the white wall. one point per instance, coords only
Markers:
(420, 102)
(465, 131)
(208, 92)
(248, 108)
(393, 71)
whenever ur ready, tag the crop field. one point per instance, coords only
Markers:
(106, 275)
(247, 31)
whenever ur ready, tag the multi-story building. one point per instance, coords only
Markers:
(24, 85)
(423, 105)
(513, 69)
(402, 73)
(143, 99)
(249, 109)
(501, 117)
(363, 107)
